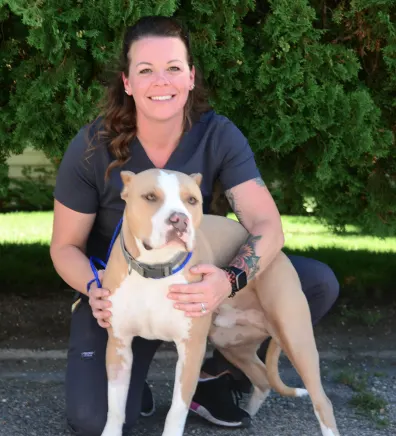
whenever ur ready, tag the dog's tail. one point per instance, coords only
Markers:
(272, 364)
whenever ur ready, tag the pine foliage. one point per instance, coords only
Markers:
(312, 84)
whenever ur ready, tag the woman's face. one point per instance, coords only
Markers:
(159, 78)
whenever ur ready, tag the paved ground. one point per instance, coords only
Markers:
(32, 402)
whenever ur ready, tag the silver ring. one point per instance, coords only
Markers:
(203, 308)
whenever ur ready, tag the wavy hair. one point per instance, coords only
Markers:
(118, 110)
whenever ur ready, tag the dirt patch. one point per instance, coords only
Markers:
(43, 323)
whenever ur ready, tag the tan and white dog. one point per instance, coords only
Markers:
(163, 221)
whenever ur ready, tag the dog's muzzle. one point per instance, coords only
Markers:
(179, 221)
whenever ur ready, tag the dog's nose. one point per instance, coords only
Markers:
(179, 221)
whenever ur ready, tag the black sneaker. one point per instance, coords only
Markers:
(217, 401)
(218, 364)
(148, 404)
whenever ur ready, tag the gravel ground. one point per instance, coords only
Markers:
(32, 401)
(32, 396)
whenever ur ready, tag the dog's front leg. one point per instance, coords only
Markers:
(118, 367)
(191, 353)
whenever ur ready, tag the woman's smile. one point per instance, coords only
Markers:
(162, 98)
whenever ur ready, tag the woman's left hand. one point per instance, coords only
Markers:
(201, 298)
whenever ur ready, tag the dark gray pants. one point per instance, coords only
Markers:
(86, 381)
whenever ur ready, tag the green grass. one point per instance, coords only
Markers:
(301, 233)
(349, 377)
(25, 264)
(306, 234)
(364, 264)
(363, 400)
(26, 228)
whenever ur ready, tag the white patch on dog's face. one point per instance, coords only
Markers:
(172, 203)
(163, 209)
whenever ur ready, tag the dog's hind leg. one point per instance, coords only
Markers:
(118, 366)
(191, 353)
(304, 356)
(286, 307)
(245, 358)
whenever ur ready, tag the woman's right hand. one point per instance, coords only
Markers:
(99, 304)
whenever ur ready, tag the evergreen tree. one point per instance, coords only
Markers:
(310, 83)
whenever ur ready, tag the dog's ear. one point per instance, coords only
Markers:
(197, 177)
(126, 177)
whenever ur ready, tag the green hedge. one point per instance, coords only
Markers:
(33, 192)
(311, 84)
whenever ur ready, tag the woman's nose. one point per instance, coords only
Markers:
(161, 77)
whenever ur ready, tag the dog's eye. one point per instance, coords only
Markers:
(150, 197)
(192, 200)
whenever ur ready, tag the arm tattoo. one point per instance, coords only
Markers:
(233, 203)
(259, 181)
(231, 199)
(247, 258)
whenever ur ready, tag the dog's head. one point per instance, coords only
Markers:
(162, 207)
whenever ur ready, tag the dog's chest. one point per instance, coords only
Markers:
(140, 307)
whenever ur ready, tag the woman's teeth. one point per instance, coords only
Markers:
(162, 97)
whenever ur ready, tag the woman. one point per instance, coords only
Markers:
(155, 115)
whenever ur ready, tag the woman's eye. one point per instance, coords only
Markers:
(145, 71)
(150, 197)
(174, 68)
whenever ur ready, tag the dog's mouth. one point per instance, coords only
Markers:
(173, 237)
(147, 246)
(177, 237)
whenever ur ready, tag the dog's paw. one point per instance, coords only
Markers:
(301, 392)
(112, 430)
(111, 433)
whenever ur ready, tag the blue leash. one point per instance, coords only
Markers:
(180, 267)
(94, 259)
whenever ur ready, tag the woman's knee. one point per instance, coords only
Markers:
(333, 286)
(328, 284)
(323, 296)
(319, 284)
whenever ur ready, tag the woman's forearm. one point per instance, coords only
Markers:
(263, 244)
(73, 267)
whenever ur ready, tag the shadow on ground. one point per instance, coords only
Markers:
(27, 270)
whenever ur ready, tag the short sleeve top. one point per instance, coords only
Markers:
(213, 146)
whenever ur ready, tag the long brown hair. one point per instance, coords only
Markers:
(118, 108)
